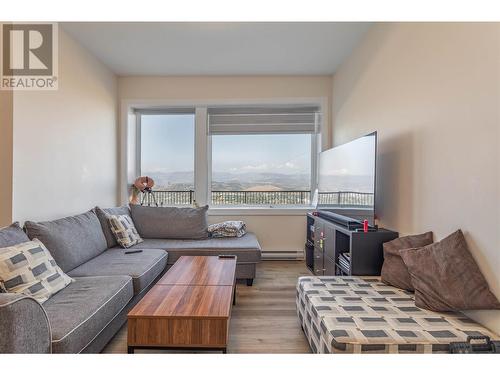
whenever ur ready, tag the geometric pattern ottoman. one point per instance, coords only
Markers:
(347, 314)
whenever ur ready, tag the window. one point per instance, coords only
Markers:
(167, 156)
(228, 156)
(261, 169)
(262, 156)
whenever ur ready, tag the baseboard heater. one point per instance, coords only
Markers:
(282, 255)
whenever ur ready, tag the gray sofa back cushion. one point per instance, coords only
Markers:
(71, 240)
(12, 235)
(102, 214)
(170, 222)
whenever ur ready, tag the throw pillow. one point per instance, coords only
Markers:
(446, 277)
(231, 228)
(28, 268)
(103, 215)
(394, 272)
(171, 222)
(124, 230)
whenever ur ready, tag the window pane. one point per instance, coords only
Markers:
(271, 169)
(167, 156)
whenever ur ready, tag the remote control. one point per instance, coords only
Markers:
(224, 256)
(133, 252)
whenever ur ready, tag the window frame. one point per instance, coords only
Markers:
(313, 178)
(130, 148)
(163, 111)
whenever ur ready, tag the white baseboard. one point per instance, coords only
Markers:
(282, 255)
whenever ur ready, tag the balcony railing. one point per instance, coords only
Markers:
(346, 199)
(259, 198)
(168, 198)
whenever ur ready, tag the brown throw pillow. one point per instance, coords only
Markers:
(394, 272)
(446, 277)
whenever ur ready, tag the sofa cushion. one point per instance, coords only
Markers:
(102, 214)
(28, 268)
(394, 272)
(71, 240)
(170, 222)
(247, 248)
(142, 267)
(447, 278)
(78, 313)
(12, 235)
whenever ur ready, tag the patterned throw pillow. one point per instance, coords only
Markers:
(28, 268)
(124, 230)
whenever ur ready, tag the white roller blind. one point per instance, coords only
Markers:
(263, 120)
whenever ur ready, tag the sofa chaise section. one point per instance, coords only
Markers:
(246, 248)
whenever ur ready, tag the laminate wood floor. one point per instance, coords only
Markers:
(264, 319)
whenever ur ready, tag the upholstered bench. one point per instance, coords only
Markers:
(364, 315)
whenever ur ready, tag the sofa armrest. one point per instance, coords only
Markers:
(24, 326)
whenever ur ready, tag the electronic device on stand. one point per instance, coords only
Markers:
(145, 185)
(342, 238)
(148, 196)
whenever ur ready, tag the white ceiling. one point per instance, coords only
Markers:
(219, 48)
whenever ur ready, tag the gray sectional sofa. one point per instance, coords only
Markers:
(84, 316)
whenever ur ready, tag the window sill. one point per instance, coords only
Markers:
(259, 211)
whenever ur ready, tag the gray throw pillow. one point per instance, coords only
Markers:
(394, 272)
(12, 235)
(170, 222)
(71, 240)
(103, 214)
(446, 277)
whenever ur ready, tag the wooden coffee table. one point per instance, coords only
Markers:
(189, 307)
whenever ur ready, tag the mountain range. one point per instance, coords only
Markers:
(233, 181)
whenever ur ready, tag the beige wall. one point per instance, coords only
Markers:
(276, 233)
(213, 88)
(6, 105)
(432, 93)
(283, 233)
(65, 141)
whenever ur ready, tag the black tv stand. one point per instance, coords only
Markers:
(335, 249)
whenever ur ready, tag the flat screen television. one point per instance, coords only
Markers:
(346, 183)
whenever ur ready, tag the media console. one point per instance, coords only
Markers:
(333, 247)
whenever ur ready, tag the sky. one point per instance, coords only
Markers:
(167, 144)
(279, 153)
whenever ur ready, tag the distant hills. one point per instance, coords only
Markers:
(362, 184)
(233, 181)
(259, 181)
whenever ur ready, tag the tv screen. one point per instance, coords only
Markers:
(347, 178)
